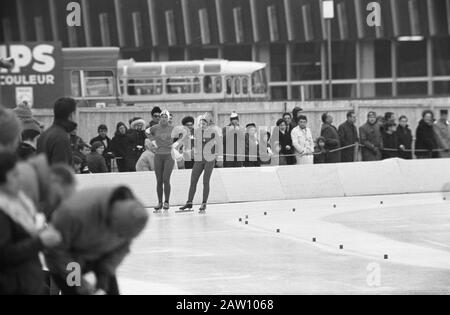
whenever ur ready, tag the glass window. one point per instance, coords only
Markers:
(145, 86)
(237, 85)
(207, 84)
(244, 85)
(412, 59)
(441, 56)
(278, 62)
(383, 60)
(183, 85)
(344, 90)
(279, 93)
(259, 82)
(99, 83)
(306, 62)
(412, 88)
(212, 84)
(75, 83)
(442, 88)
(309, 92)
(344, 60)
(229, 86)
(218, 84)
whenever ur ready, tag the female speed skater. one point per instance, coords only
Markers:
(162, 137)
(206, 149)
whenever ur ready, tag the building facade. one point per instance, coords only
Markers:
(408, 55)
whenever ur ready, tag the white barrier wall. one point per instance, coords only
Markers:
(291, 182)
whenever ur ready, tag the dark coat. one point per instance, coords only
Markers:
(405, 138)
(119, 145)
(55, 142)
(234, 140)
(320, 155)
(251, 149)
(285, 140)
(390, 142)
(84, 163)
(348, 135)
(372, 141)
(20, 268)
(426, 140)
(332, 142)
(96, 163)
(25, 151)
(135, 148)
(100, 139)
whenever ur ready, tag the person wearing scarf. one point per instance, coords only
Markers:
(21, 235)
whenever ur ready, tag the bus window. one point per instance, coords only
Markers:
(218, 84)
(121, 87)
(75, 83)
(229, 86)
(244, 85)
(99, 83)
(144, 87)
(207, 84)
(183, 85)
(237, 86)
(259, 82)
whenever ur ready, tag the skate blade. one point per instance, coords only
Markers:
(157, 211)
(184, 211)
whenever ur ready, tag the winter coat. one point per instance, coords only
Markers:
(390, 142)
(252, 154)
(405, 138)
(442, 129)
(372, 141)
(146, 162)
(284, 139)
(136, 146)
(96, 163)
(426, 139)
(25, 151)
(332, 142)
(83, 221)
(233, 139)
(348, 135)
(303, 143)
(55, 142)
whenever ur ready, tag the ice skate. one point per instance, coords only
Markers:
(166, 206)
(203, 208)
(186, 208)
(158, 208)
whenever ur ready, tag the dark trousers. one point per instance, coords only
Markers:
(121, 165)
(197, 170)
(66, 290)
(164, 164)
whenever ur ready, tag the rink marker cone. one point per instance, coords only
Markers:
(265, 213)
(386, 257)
(246, 222)
(278, 230)
(314, 240)
(293, 210)
(341, 246)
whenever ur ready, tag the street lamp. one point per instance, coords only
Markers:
(328, 15)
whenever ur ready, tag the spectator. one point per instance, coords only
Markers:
(54, 142)
(83, 150)
(233, 143)
(98, 227)
(371, 139)
(136, 143)
(442, 129)
(25, 115)
(348, 135)
(404, 138)
(320, 152)
(77, 164)
(390, 141)
(284, 145)
(75, 140)
(303, 142)
(426, 139)
(188, 144)
(296, 112)
(119, 146)
(388, 117)
(21, 238)
(287, 117)
(265, 149)
(106, 141)
(10, 129)
(156, 116)
(27, 148)
(95, 160)
(331, 135)
(146, 162)
(252, 157)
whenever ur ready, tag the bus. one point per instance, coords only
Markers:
(191, 81)
(97, 77)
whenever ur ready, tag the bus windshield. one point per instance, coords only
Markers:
(259, 82)
(99, 83)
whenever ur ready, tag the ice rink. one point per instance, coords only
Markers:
(217, 254)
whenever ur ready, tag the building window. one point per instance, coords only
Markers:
(344, 60)
(278, 62)
(412, 59)
(441, 56)
(383, 59)
(306, 62)
(279, 93)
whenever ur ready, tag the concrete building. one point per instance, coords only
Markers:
(408, 55)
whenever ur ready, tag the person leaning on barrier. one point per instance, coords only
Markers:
(332, 141)
(320, 152)
(283, 145)
(390, 141)
(106, 141)
(426, 138)
(233, 143)
(119, 146)
(348, 135)
(404, 138)
(95, 159)
(442, 128)
(97, 226)
(371, 139)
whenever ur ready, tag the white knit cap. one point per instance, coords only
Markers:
(165, 112)
(234, 115)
